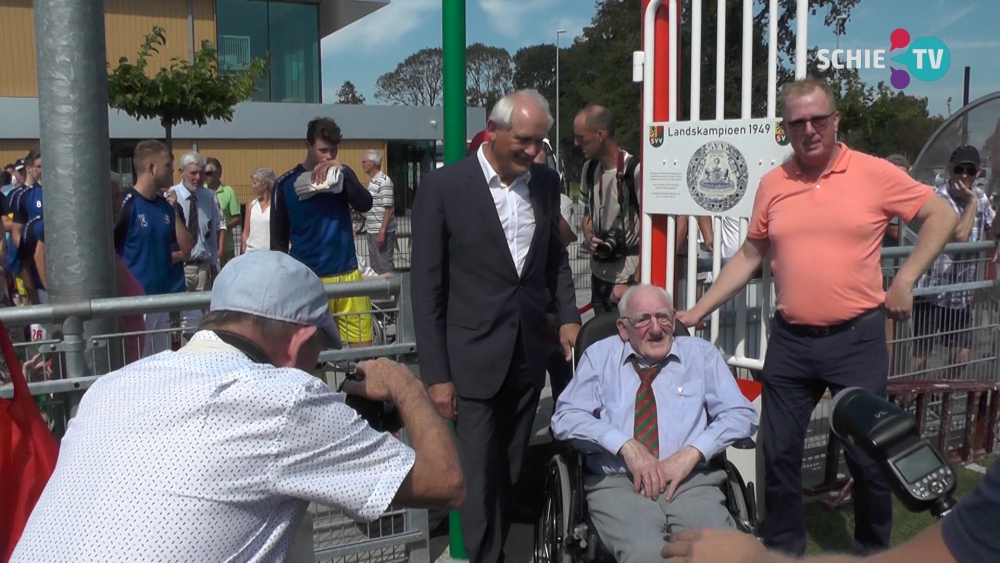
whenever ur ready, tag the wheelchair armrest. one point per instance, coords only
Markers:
(585, 447)
(744, 444)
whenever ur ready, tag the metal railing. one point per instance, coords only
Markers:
(399, 534)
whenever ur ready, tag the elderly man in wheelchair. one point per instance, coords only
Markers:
(656, 412)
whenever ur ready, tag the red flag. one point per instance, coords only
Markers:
(28, 452)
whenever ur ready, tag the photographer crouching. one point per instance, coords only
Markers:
(609, 184)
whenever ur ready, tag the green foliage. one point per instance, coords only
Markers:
(489, 74)
(349, 95)
(417, 81)
(183, 92)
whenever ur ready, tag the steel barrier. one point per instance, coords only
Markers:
(399, 534)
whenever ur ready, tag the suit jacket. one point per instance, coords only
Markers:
(468, 300)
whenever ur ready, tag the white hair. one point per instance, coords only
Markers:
(503, 111)
(192, 157)
(264, 175)
(623, 305)
(374, 156)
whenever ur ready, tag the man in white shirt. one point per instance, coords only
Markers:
(380, 222)
(213, 452)
(205, 223)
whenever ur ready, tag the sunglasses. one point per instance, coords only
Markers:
(968, 170)
(818, 122)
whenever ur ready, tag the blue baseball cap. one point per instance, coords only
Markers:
(275, 286)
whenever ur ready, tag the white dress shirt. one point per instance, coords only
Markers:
(513, 204)
(210, 221)
(203, 455)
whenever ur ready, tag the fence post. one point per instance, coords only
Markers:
(74, 348)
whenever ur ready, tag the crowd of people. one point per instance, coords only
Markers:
(213, 452)
(200, 226)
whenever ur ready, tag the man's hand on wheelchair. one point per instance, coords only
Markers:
(678, 466)
(648, 473)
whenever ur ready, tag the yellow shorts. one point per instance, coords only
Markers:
(353, 314)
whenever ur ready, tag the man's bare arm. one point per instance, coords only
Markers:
(733, 278)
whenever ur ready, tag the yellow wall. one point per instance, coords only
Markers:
(13, 149)
(126, 22)
(241, 157)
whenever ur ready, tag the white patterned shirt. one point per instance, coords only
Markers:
(203, 455)
(513, 203)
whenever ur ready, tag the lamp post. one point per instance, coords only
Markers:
(558, 154)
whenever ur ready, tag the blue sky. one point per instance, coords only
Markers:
(374, 45)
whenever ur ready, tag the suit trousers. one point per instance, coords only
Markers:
(798, 369)
(493, 436)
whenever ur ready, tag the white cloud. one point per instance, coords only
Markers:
(383, 28)
(509, 17)
(952, 18)
(973, 44)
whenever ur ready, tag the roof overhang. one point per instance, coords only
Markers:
(337, 14)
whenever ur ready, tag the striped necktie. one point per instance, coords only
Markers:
(646, 430)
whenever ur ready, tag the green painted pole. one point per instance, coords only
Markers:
(453, 47)
(453, 53)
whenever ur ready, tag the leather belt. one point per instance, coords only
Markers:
(812, 331)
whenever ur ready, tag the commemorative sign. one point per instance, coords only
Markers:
(709, 168)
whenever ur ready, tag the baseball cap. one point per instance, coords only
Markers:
(965, 154)
(19, 164)
(275, 286)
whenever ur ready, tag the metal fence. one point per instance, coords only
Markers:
(74, 360)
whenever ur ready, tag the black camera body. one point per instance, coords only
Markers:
(381, 416)
(917, 473)
(612, 246)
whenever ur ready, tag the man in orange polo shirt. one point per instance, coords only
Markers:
(822, 215)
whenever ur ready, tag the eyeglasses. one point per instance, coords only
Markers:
(968, 170)
(818, 122)
(643, 320)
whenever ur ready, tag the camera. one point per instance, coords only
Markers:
(612, 245)
(917, 473)
(381, 416)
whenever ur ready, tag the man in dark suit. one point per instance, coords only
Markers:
(486, 248)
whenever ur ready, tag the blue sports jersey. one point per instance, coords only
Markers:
(31, 235)
(317, 231)
(13, 261)
(28, 205)
(144, 237)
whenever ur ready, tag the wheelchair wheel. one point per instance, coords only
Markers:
(741, 501)
(552, 528)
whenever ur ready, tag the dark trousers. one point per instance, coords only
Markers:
(600, 295)
(493, 437)
(798, 369)
(560, 371)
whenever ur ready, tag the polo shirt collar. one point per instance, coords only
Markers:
(840, 166)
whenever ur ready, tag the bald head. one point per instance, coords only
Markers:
(526, 102)
(599, 118)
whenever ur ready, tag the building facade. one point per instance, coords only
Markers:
(267, 131)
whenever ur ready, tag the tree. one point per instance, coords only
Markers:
(183, 92)
(417, 81)
(535, 67)
(489, 74)
(349, 95)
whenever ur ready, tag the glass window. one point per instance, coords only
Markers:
(294, 34)
(288, 31)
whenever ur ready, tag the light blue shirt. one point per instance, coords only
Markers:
(698, 402)
(210, 222)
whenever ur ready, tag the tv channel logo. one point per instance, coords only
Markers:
(927, 59)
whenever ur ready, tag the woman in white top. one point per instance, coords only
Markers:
(257, 223)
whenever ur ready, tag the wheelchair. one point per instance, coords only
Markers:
(564, 532)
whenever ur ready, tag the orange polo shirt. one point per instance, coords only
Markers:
(826, 236)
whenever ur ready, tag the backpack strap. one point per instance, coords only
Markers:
(588, 181)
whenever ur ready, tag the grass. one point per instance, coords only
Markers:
(833, 530)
